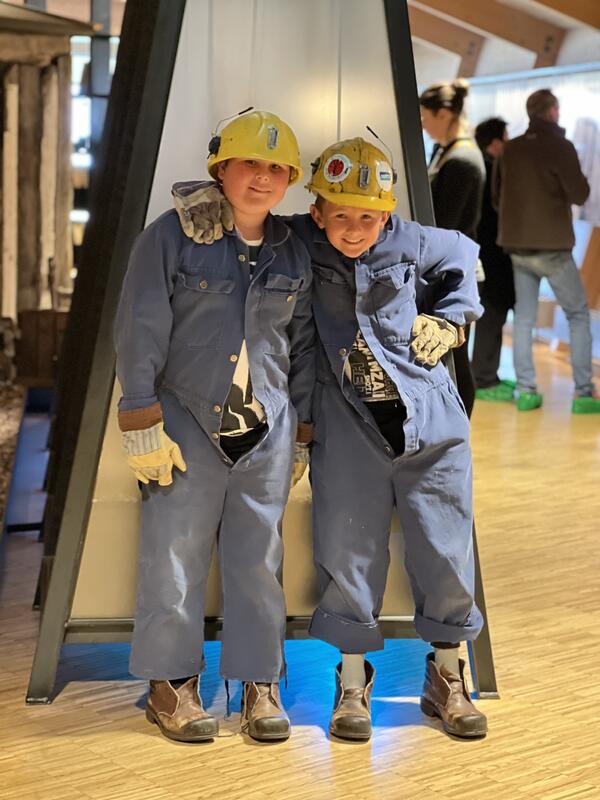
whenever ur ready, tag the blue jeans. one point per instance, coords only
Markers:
(563, 276)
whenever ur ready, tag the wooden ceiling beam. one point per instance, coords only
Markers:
(504, 22)
(585, 11)
(449, 36)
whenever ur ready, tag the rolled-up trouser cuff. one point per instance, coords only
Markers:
(431, 631)
(347, 635)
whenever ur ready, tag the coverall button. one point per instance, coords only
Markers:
(215, 435)
(203, 285)
(241, 257)
(388, 449)
(233, 358)
(289, 298)
(342, 351)
(217, 409)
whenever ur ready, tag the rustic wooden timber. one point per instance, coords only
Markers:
(47, 183)
(29, 203)
(505, 22)
(10, 181)
(449, 36)
(63, 243)
(590, 274)
(32, 49)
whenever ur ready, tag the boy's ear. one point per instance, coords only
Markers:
(316, 215)
(221, 170)
(385, 215)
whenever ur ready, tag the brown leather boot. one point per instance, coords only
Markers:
(263, 716)
(179, 713)
(351, 718)
(446, 696)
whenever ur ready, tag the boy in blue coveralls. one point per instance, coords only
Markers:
(390, 297)
(215, 347)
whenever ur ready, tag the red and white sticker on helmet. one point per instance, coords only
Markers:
(337, 168)
(384, 175)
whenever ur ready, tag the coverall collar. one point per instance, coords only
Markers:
(276, 232)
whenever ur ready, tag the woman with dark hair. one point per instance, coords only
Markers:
(457, 178)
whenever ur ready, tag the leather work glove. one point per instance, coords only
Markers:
(151, 454)
(433, 338)
(203, 210)
(301, 462)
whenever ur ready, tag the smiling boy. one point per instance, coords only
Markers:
(216, 346)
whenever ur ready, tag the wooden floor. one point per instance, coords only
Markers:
(537, 488)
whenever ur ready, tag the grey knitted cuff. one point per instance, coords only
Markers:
(140, 443)
(302, 454)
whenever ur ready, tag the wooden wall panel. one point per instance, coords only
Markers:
(590, 270)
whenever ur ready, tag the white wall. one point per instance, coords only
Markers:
(322, 65)
(579, 47)
(432, 64)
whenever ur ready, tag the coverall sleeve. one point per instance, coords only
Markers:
(144, 317)
(447, 261)
(572, 179)
(301, 378)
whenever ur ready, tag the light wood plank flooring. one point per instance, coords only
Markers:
(537, 489)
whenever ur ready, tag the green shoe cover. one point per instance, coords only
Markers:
(528, 401)
(500, 393)
(586, 405)
(507, 382)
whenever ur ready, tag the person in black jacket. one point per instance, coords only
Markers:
(457, 177)
(497, 292)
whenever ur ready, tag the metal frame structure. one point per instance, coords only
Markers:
(119, 202)
(136, 145)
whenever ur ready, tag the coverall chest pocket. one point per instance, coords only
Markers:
(201, 307)
(336, 300)
(391, 300)
(277, 304)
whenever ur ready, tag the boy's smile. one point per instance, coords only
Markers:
(350, 230)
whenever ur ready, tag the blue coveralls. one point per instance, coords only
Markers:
(184, 312)
(356, 479)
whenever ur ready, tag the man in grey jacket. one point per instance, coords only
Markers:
(537, 180)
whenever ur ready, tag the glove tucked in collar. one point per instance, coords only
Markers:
(203, 210)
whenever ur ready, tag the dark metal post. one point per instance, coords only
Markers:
(126, 170)
(407, 107)
(99, 70)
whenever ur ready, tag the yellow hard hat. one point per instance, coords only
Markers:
(354, 173)
(260, 135)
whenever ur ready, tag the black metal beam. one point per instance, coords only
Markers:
(119, 204)
(99, 70)
(407, 109)
(409, 120)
